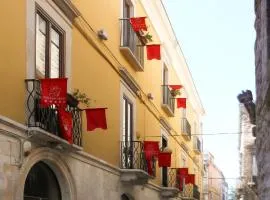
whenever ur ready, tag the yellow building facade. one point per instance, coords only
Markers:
(93, 45)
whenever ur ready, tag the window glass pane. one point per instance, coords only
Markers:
(124, 119)
(55, 54)
(55, 37)
(129, 122)
(41, 25)
(40, 46)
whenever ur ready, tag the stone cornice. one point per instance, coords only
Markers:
(68, 9)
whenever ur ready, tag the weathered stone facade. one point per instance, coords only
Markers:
(247, 185)
(262, 55)
(80, 175)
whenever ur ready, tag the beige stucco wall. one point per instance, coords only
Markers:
(13, 59)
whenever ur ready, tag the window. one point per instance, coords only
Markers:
(167, 98)
(128, 34)
(127, 135)
(49, 48)
(131, 46)
(127, 120)
(165, 75)
(164, 144)
(166, 89)
(41, 183)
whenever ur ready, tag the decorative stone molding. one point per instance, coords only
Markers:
(169, 192)
(42, 137)
(53, 159)
(68, 8)
(129, 80)
(165, 124)
(134, 176)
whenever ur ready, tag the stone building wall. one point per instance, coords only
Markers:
(247, 152)
(262, 44)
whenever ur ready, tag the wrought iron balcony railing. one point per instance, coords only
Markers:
(173, 180)
(190, 192)
(133, 157)
(133, 42)
(196, 193)
(47, 118)
(186, 128)
(168, 99)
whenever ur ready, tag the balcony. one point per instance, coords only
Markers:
(168, 101)
(134, 166)
(132, 45)
(197, 145)
(190, 192)
(172, 190)
(185, 129)
(196, 192)
(44, 124)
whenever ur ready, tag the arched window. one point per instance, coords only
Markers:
(126, 197)
(41, 184)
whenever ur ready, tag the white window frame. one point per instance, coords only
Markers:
(125, 91)
(163, 134)
(131, 3)
(52, 10)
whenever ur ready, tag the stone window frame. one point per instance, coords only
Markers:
(63, 21)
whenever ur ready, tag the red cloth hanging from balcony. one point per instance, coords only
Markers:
(181, 102)
(149, 167)
(182, 173)
(151, 148)
(65, 119)
(153, 51)
(190, 179)
(138, 23)
(96, 118)
(175, 87)
(53, 92)
(164, 159)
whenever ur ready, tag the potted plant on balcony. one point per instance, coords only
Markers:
(175, 92)
(144, 37)
(77, 97)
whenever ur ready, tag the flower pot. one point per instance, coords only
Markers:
(174, 93)
(71, 101)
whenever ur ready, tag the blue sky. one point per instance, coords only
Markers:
(217, 38)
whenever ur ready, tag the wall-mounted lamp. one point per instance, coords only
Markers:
(150, 96)
(102, 34)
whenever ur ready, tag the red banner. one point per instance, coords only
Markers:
(151, 148)
(96, 118)
(183, 171)
(190, 179)
(175, 87)
(153, 51)
(138, 23)
(53, 92)
(164, 159)
(149, 167)
(182, 174)
(181, 102)
(65, 119)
